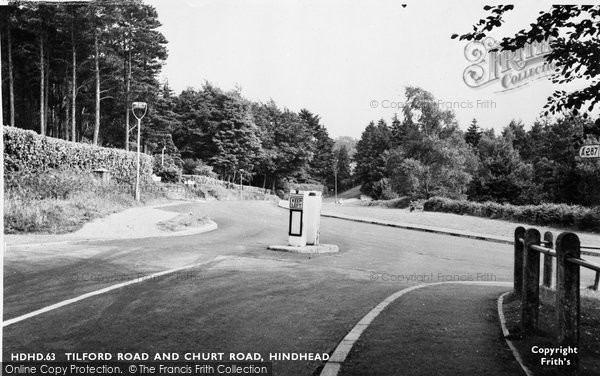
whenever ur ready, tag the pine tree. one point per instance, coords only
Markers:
(369, 157)
(343, 168)
(473, 134)
(320, 166)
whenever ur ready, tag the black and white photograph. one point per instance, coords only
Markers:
(300, 187)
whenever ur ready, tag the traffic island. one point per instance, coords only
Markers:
(321, 248)
(303, 225)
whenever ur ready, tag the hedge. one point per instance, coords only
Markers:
(561, 215)
(25, 150)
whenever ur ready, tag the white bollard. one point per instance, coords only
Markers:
(312, 217)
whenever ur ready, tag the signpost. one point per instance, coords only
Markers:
(590, 151)
(139, 110)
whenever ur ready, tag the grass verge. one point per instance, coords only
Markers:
(545, 336)
(58, 202)
(183, 222)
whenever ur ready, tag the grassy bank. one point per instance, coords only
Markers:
(62, 201)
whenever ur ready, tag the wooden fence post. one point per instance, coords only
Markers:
(567, 289)
(547, 275)
(518, 270)
(530, 302)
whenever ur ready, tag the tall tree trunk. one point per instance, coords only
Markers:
(11, 90)
(42, 91)
(97, 71)
(46, 89)
(66, 127)
(73, 85)
(127, 88)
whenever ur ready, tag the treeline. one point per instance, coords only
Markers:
(425, 154)
(72, 71)
(268, 146)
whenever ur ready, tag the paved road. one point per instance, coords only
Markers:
(440, 330)
(254, 300)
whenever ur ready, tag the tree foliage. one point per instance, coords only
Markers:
(55, 50)
(429, 156)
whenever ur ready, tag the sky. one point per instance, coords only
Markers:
(347, 61)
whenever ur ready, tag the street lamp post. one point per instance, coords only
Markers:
(139, 110)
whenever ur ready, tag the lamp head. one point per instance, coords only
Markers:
(139, 109)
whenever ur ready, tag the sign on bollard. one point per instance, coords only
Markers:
(305, 214)
(304, 224)
(296, 202)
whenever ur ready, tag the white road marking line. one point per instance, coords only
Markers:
(333, 365)
(506, 333)
(102, 291)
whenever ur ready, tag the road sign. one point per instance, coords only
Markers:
(296, 202)
(590, 151)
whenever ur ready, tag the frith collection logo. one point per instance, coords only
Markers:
(511, 69)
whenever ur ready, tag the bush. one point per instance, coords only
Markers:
(382, 190)
(168, 171)
(396, 203)
(169, 174)
(218, 192)
(561, 215)
(189, 165)
(52, 184)
(25, 150)
(205, 170)
(197, 167)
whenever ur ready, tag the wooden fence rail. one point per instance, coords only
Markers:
(567, 251)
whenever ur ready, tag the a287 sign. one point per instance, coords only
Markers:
(590, 151)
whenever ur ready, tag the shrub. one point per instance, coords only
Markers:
(382, 190)
(25, 150)
(197, 167)
(218, 192)
(169, 174)
(205, 170)
(168, 171)
(189, 165)
(54, 184)
(562, 215)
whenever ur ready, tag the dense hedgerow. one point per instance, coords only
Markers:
(25, 150)
(571, 216)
